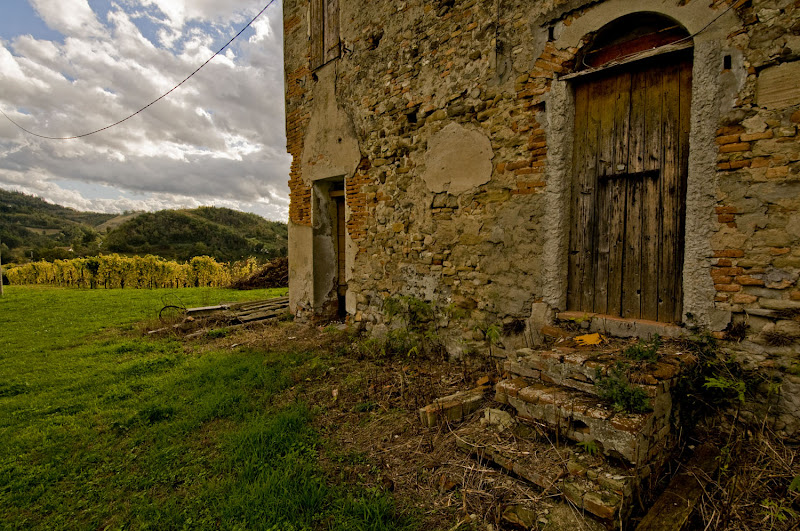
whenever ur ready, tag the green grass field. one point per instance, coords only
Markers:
(102, 428)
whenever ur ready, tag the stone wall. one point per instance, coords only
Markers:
(461, 132)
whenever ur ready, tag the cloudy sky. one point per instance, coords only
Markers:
(68, 67)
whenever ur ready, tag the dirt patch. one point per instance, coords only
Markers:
(275, 274)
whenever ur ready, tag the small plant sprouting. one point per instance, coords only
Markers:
(217, 333)
(727, 385)
(777, 511)
(644, 350)
(617, 389)
(794, 486)
(590, 447)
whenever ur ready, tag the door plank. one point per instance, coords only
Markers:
(606, 99)
(588, 194)
(632, 258)
(651, 200)
(685, 124)
(670, 178)
(577, 253)
(616, 234)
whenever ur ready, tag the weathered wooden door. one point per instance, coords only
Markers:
(629, 188)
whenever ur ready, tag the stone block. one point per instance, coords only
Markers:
(452, 408)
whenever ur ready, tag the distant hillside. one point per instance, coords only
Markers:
(222, 233)
(29, 225)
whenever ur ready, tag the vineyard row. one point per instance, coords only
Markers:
(115, 271)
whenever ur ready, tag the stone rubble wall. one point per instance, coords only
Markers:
(422, 82)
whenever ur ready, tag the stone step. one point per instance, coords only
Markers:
(579, 368)
(611, 325)
(637, 438)
(587, 481)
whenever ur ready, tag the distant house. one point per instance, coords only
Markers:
(635, 160)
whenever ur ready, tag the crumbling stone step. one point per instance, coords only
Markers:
(579, 369)
(588, 481)
(635, 437)
(452, 408)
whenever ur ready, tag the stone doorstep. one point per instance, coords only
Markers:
(589, 482)
(452, 408)
(620, 327)
(578, 368)
(583, 418)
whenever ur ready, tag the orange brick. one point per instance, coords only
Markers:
(727, 139)
(759, 162)
(756, 136)
(721, 279)
(727, 287)
(735, 148)
(724, 262)
(779, 251)
(746, 280)
(732, 271)
(738, 164)
(743, 298)
(726, 218)
(725, 210)
(729, 253)
(730, 130)
(795, 295)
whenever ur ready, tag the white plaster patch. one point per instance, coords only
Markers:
(458, 159)
(331, 147)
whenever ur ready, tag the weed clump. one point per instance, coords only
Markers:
(644, 350)
(616, 388)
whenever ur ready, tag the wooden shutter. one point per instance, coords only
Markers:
(317, 33)
(332, 48)
(325, 45)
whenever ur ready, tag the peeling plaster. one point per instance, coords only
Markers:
(458, 159)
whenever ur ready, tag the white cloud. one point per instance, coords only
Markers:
(70, 17)
(220, 137)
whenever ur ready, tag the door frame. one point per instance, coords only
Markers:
(698, 288)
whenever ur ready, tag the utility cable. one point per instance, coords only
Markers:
(170, 91)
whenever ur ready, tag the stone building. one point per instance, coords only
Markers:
(506, 160)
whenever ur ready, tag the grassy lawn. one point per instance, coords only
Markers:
(102, 428)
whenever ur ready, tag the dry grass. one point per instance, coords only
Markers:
(752, 488)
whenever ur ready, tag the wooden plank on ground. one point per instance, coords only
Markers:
(672, 510)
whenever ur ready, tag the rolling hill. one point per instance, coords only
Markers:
(29, 226)
(223, 233)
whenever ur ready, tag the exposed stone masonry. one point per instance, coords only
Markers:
(411, 69)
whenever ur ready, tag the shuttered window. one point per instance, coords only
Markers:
(325, 44)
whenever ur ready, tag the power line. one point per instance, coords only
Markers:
(170, 91)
